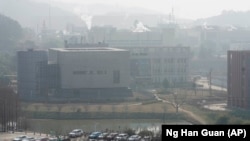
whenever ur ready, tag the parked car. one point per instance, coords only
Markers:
(76, 133)
(20, 138)
(53, 139)
(103, 136)
(111, 136)
(147, 138)
(94, 135)
(29, 139)
(64, 138)
(43, 139)
(121, 137)
(134, 138)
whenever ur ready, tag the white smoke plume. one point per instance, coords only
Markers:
(140, 28)
(84, 16)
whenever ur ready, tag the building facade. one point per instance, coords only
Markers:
(27, 66)
(74, 73)
(91, 67)
(151, 65)
(239, 79)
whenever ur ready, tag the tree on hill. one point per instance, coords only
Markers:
(10, 32)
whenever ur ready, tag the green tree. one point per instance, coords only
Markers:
(222, 120)
(129, 131)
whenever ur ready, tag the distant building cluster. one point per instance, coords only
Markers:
(103, 63)
(97, 72)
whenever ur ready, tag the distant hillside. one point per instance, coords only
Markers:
(116, 15)
(228, 18)
(32, 14)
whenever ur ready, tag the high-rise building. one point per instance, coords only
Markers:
(239, 79)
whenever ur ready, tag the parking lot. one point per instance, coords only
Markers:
(10, 136)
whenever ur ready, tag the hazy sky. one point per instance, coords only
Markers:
(191, 9)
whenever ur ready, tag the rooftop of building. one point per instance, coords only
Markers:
(92, 49)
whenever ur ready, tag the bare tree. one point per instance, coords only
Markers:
(25, 124)
(73, 108)
(125, 108)
(99, 108)
(153, 108)
(164, 107)
(59, 109)
(86, 107)
(139, 108)
(195, 85)
(48, 107)
(178, 100)
(113, 108)
(37, 107)
(210, 81)
(9, 106)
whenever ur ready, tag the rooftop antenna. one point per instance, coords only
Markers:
(172, 15)
(49, 15)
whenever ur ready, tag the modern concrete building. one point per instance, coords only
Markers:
(74, 74)
(239, 79)
(91, 67)
(27, 65)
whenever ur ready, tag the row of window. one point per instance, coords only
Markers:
(181, 70)
(90, 72)
(171, 79)
(160, 49)
(170, 60)
(159, 60)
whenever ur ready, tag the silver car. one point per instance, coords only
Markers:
(76, 133)
(20, 138)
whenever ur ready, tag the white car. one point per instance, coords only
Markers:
(122, 137)
(76, 133)
(20, 138)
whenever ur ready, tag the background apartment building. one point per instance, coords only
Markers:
(239, 79)
(151, 65)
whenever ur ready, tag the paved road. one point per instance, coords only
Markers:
(204, 82)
